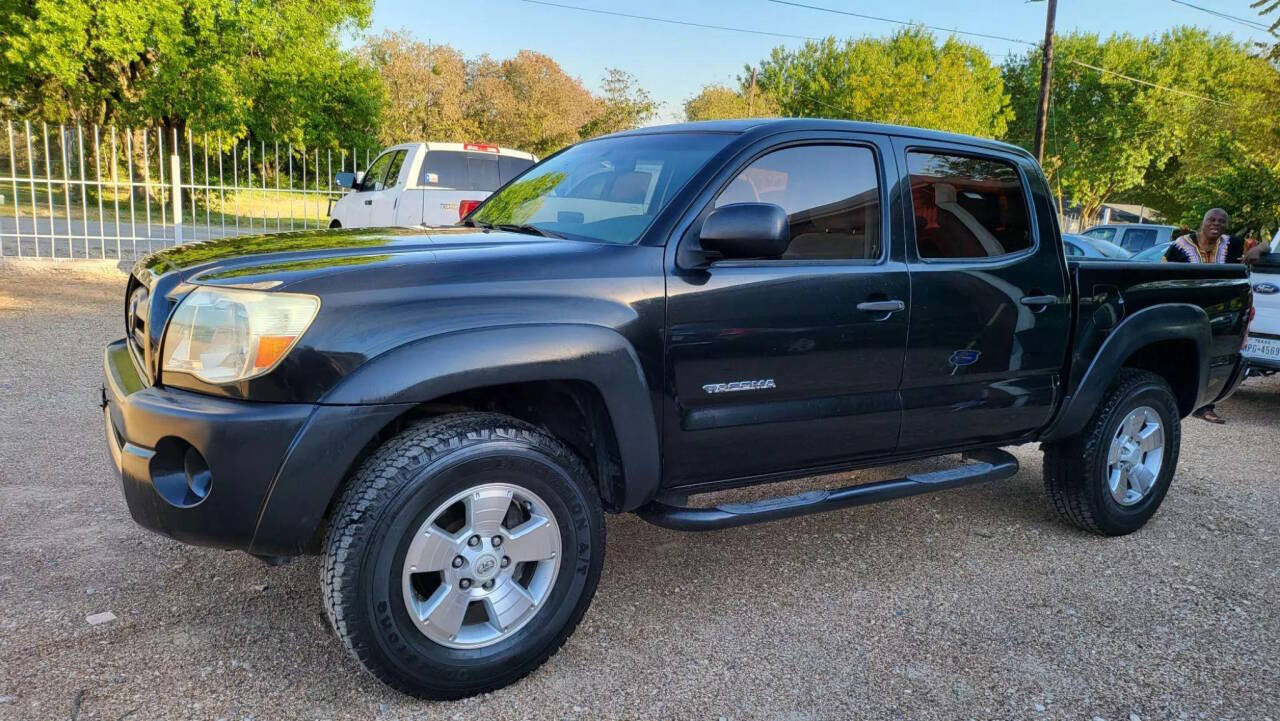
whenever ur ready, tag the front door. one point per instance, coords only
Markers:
(384, 200)
(780, 363)
(990, 312)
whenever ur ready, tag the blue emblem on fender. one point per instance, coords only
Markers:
(1266, 288)
(964, 357)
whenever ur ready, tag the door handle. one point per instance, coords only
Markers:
(882, 306)
(1040, 300)
(368, 202)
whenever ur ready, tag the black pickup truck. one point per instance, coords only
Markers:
(445, 414)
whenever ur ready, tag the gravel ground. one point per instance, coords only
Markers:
(974, 603)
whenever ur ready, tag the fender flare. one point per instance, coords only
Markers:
(436, 366)
(1170, 321)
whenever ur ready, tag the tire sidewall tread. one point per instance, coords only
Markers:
(392, 491)
(1074, 468)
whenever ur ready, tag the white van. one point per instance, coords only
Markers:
(430, 184)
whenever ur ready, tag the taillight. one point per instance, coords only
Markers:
(1248, 320)
(465, 207)
(480, 147)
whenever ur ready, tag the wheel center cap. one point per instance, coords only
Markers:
(486, 567)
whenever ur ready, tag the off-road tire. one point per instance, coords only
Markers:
(385, 502)
(1075, 469)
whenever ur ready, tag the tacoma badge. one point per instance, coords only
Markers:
(760, 385)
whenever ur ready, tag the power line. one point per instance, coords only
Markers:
(669, 21)
(872, 17)
(1144, 82)
(1224, 16)
(901, 22)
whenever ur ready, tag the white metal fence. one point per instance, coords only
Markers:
(72, 191)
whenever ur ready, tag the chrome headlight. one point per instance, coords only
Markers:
(226, 335)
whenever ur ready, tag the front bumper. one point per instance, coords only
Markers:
(228, 473)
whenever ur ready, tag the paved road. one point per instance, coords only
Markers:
(43, 238)
(974, 603)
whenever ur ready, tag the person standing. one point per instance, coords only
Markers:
(1211, 244)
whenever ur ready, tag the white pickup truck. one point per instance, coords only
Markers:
(1262, 347)
(430, 184)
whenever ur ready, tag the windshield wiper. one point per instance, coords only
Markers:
(476, 224)
(526, 229)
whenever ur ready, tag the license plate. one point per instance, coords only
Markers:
(1262, 348)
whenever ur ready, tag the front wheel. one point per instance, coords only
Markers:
(1111, 477)
(462, 555)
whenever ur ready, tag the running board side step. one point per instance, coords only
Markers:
(988, 464)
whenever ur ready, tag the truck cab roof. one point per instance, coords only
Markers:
(770, 126)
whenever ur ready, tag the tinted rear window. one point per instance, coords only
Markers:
(455, 170)
(509, 167)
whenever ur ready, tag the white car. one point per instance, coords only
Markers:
(1262, 347)
(429, 184)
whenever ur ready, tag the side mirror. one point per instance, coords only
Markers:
(346, 180)
(746, 230)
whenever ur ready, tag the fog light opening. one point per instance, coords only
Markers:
(179, 473)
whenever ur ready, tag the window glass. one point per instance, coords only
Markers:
(1136, 239)
(1103, 233)
(632, 179)
(393, 170)
(509, 167)
(373, 177)
(1072, 248)
(483, 171)
(831, 194)
(454, 170)
(967, 207)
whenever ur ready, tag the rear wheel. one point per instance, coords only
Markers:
(462, 555)
(1112, 476)
(334, 223)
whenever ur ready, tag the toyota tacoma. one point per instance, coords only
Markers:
(445, 415)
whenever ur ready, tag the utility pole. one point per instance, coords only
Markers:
(1046, 77)
(751, 98)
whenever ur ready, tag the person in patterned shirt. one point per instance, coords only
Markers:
(1211, 244)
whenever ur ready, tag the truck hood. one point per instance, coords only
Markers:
(280, 259)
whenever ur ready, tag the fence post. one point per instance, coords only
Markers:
(175, 170)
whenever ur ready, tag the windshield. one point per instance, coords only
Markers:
(605, 190)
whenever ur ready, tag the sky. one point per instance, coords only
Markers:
(674, 62)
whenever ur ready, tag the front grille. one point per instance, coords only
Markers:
(137, 313)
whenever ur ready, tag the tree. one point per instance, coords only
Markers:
(717, 102)
(624, 106)
(424, 88)
(1196, 104)
(906, 79)
(526, 102)
(225, 66)
(1104, 130)
(1264, 8)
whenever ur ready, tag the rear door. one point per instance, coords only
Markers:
(990, 311)
(773, 363)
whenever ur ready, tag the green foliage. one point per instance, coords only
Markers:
(273, 69)
(518, 202)
(1114, 139)
(905, 79)
(624, 106)
(718, 102)
(425, 87)
(526, 102)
